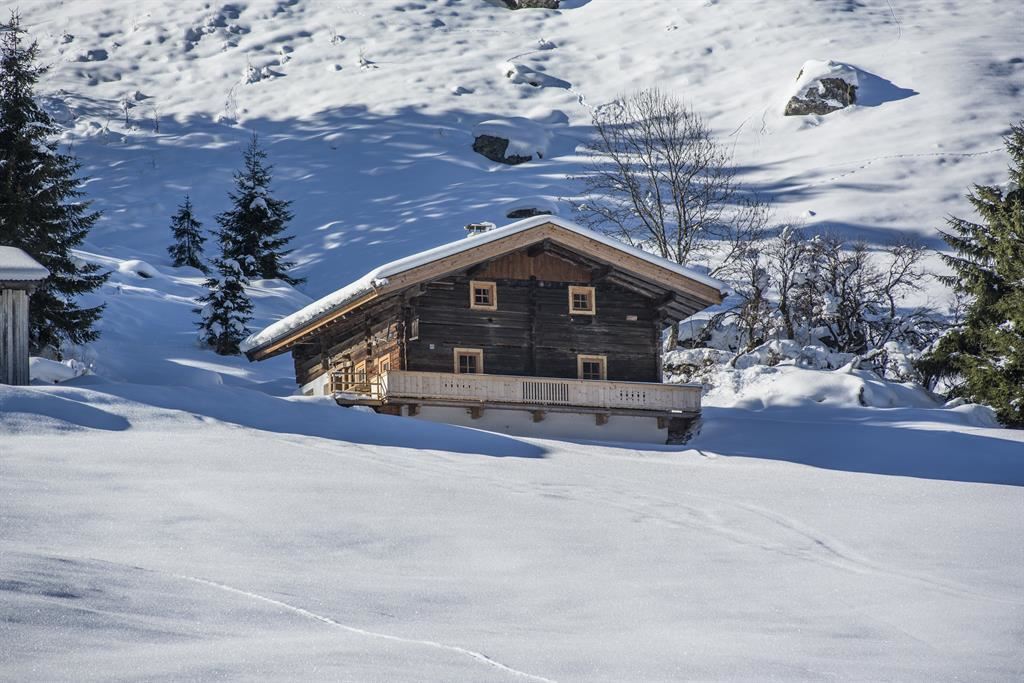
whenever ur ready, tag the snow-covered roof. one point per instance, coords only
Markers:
(378, 277)
(17, 266)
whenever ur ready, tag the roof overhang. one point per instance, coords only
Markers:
(689, 294)
(18, 270)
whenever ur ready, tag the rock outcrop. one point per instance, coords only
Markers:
(822, 88)
(528, 212)
(494, 148)
(531, 4)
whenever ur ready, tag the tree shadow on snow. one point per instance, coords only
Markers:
(892, 442)
(373, 186)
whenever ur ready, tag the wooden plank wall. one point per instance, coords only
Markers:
(14, 367)
(368, 338)
(520, 265)
(532, 332)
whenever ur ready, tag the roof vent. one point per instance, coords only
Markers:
(474, 229)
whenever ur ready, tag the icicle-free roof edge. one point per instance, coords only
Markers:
(17, 266)
(378, 277)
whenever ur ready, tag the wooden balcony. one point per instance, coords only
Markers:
(403, 387)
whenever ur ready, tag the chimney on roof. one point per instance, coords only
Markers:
(474, 229)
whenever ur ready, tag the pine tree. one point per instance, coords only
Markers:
(226, 308)
(984, 357)
(255, 226)
(187, 249)
(41, 210)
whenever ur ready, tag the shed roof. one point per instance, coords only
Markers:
(391, 275)
(17, 266)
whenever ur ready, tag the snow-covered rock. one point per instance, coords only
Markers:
(512, 140)
(527, 212)
(785, 386)
(823, 87)
(138, 268)
(46, 371)
(497, 149)
(532, 4)
(95, 55)
(519, 73)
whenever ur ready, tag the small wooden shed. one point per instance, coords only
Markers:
(20, 274)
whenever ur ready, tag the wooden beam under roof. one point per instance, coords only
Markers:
(538, 248)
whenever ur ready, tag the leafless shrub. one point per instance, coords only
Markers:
(857, 295)
(829, 292)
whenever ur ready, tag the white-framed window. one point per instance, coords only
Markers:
(483, 296)
(591, 367)
(582, 301)
(469, 361)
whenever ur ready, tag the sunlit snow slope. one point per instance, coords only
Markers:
(368, 111)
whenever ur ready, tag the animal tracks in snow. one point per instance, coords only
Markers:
(863, 164)
(742, 523)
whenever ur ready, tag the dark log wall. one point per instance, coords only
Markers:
(374, 335)
(532, 332)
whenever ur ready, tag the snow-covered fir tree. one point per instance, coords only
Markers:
(41, 210)
(226, 308)
(187, 231)
(984, 357)
(255, 225)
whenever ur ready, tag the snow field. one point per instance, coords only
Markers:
(225, 534)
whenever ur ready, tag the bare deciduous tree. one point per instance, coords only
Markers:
(657, 178)
(858, 296)
(753, 316)
(786, 257)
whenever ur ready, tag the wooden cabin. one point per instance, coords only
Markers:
(20, 274)
(542, 327)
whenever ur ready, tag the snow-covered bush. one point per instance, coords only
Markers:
(821, 303)
(138, 268)
(46, 371)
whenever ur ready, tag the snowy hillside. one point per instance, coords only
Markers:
(368, 111)
(166, 512)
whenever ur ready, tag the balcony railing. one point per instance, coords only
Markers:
(409, 386)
